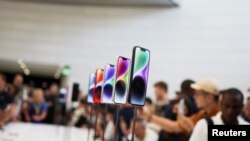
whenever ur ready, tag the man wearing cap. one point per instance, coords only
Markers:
(206, 97)
(231, 106)
(186, 94)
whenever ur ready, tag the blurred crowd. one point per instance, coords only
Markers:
(24, 103)
(196, 105)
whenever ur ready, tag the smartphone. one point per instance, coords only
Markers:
(139, 76)
(98, 85)
(91, 88)
(181, 108)
(108, 84)
(122, 80)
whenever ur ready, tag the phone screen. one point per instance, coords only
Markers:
(108, 84)
(98, 85)
(139, 76)
(91, 87)
(122, 80)
(181, 108)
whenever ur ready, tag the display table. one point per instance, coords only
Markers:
(43, 132)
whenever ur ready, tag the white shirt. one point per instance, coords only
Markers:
(200, 129)
(108, 135)
(150, 135)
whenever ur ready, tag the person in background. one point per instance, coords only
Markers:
(231, 107)
(79, 117)
(171, 110)
(17, 85)
(206, 98)
(24, 111)
(99, 124)
(51, 99)
(150, 107)
(161, 93)
(7, 106)
(109, 132)
(90, 112)
(149, 104)
(246, 110)
(142, 132)
(125, 117)
(37, 109)
(186, 93)
(20, 94)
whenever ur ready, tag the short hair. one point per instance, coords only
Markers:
(83, 101)
(3, 77)
(37, 90)
(149, 100)
(54, 84)
(18, 75)
(216, 98)
(248, 98)
(161, 85)
(111, 110)
(235, 92)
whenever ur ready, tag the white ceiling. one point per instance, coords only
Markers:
(201, 38)
(112, 2)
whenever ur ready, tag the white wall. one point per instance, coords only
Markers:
(199, 39)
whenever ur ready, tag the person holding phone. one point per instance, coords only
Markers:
(231, 106)
(206, 98)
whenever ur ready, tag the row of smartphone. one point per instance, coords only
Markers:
(121, 83)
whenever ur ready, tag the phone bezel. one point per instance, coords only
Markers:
(90, 78)
(104, 78)
(95, 86)
(127, 87)
(132, 73)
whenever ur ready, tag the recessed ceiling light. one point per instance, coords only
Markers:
(22, 65)
(19, 60)
(26, 71)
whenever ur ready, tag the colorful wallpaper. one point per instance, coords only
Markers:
(122, 80)
(108, 86)
(91, 87)
(98, 85)
(140, 76)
